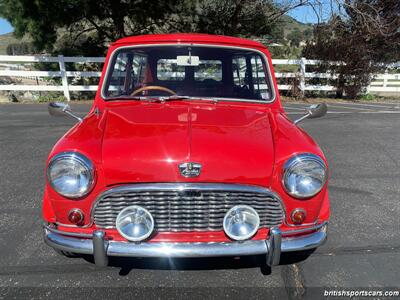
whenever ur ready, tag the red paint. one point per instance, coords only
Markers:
(228, 139)
(141, 142)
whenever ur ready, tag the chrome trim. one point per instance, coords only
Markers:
(81, 159)
(100, 248)
(313, 227)
(180, 186)
(298, 158)
(50, 228)
(79, 212)
(246, 237)
(188, 249)
(306, 242)
(55, 108)
(301, 225)
(69, 244)
(272, 247)
(189, 169)
(269, 67)
(71, 114)
(295, 211)
(72, 225)
(314, 111)
(130, 238)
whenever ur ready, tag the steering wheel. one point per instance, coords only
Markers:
(153, 88)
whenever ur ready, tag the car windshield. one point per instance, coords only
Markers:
(192, 71)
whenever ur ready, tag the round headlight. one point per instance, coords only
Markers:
(241, 222)
(135, 223)
(304, 175)
(71, 174)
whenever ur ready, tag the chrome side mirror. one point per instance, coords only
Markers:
(314, 111)
(58, 109)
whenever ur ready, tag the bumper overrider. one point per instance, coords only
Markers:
(98, 246)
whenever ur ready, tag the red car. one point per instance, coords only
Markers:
(186, 152)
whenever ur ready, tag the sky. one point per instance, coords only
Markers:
(5, 27)
(304, 14)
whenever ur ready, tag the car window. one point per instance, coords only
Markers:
(208, 70)
(214, 72)
(167, 69)
(128, 73)
(248, 73)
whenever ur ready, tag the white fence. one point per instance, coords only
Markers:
(18, 70)
(19, 66)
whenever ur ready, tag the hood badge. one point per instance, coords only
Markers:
(190, 169)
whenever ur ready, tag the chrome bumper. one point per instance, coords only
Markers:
(101, 248)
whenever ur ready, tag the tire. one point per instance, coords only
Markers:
(67, 253)
(295, 256)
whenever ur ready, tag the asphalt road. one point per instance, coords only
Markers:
(362, 143)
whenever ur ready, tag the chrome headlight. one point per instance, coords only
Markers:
(135, 223)
(71, 174)
(241, 222)
(304, 175)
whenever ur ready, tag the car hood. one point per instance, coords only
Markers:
(146, 142)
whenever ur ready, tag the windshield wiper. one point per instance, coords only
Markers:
(173, 97)
(124, 97)
(149, 98)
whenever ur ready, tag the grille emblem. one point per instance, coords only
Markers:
(190, 169)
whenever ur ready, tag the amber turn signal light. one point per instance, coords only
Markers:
(75, 216)
(298, 216)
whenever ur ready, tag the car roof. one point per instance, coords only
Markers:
(189, 38)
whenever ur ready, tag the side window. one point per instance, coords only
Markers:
(167, 69)
(259, 80)
(208, 70)
(139, 66)
(128, 73)
(248, 73)
(239, 70)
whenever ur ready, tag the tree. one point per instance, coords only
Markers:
(88, 26)
(295, 37)
(77, 20)
(364, 39)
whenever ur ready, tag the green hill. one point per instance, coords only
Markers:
(6, 39)
(291, 24)
(9, 38)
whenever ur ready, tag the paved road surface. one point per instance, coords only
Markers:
(362, 143)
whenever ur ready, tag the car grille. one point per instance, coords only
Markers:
(187, 207)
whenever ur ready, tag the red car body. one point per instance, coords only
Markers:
(136, 142)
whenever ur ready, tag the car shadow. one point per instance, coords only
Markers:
(126, 265)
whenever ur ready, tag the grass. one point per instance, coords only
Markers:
(368, 97)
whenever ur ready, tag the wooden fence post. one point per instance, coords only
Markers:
(385, 78)
(303, 75)
(64, 77)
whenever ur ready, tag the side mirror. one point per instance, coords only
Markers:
(58, 109)
(314, 111)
